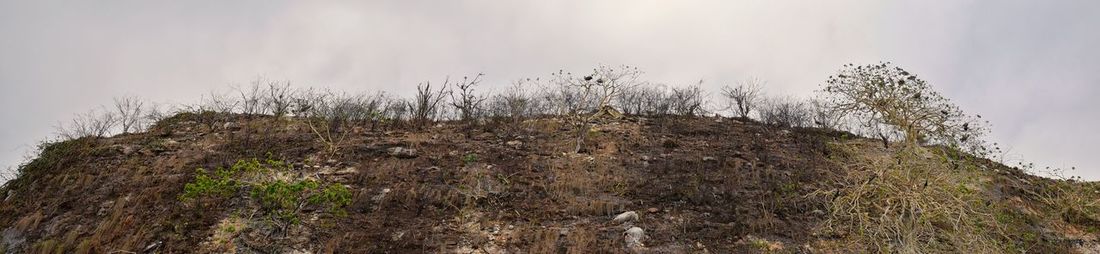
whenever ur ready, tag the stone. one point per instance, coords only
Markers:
(633, 237)
(380, 196)
(401, 152)
(628, 216)
(231, 126)
(709, 159)
(514, 143)
(653, 210)
(12, 240)
(152, 246)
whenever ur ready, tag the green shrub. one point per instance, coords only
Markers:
(284, 200)
(335, 196)
(281, 199)
(221, 184)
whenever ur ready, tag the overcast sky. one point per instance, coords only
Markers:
(1032, 68)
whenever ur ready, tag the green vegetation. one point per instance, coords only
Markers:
(469, 158)
(282, 199)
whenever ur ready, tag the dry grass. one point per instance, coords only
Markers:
(911, 200)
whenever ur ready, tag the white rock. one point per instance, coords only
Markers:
(633, 237)
(380, 196)
(628, 216)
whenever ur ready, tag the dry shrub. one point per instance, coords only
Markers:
(586, 186)
(911, 201)
(545, 240)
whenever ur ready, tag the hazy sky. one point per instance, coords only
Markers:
(1030, 67)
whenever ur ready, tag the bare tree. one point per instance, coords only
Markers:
(251, 97)
(89, 124)
(129, 113)
(426, 104)
(328, 115)
(785, 112)
(593, 95)
(744, 96)
(688, 101)
(279, 98)
(467, 103)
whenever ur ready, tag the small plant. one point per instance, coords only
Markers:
(743, 97)
(335, 197)
(469, 158)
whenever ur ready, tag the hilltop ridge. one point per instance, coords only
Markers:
(688, 184)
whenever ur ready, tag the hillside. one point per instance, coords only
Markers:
(690, 184)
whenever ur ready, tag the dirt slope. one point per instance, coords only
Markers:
(694, 185)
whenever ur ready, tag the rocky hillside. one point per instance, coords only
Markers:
(639, 185)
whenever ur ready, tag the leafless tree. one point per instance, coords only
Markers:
(328, 115)
(251, 97)
(468, 103)
(823, 117)
(744, 96)
(593, 95)
(688, 101)
(93, 123)
(426, 103)
(278, 99)
(129, 113)
(785, 112)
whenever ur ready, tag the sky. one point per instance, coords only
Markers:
(1029, 67)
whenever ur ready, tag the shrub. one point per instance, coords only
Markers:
(785, 112)
(468, 103)
(688, 101)
(90, 124)
(283, 200)
(425, 106)
(221, 185)
(129, 111)
(513, 105)
(743, 97)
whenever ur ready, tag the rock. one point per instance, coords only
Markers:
(628, 216)
(514, 143)
(633, 237)
(13, 240)
(709, 159)
(401, 152)
(231, 126)
(152, 246)
(653, 210)
(377, 198)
